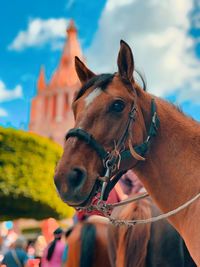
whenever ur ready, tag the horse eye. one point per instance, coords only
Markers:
(117, 106)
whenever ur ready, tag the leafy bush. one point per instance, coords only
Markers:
(27, 164)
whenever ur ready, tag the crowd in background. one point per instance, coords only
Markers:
(17, 252)
(21, 253)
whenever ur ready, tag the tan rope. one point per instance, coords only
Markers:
(152, 219)
(127, 201)
(105, 209)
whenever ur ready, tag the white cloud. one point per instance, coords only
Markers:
(157, 31)
(9, 94)
(3, 113)
(113, 4)
(40, 32)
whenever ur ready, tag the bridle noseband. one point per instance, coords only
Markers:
(112, 160)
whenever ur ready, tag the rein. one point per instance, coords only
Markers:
(106, 209)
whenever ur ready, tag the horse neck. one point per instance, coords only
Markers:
(171, 167)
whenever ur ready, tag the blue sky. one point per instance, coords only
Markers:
(164, 36)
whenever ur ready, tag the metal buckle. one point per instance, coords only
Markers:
(132, 113)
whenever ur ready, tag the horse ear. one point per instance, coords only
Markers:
(125, 61)
(82, 71)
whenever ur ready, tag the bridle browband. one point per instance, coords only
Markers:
(113, 159)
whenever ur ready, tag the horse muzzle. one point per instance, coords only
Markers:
(71, 187)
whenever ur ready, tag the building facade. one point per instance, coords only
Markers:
(51, 115)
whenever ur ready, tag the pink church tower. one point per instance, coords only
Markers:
(51, 114)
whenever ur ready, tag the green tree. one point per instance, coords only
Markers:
(27, 164)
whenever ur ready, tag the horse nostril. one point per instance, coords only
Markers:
(76, 177)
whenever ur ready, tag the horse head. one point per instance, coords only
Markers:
(108, 121)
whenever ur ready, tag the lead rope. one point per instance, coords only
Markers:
(106, 209)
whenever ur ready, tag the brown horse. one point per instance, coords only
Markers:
(113, 113)
(145, 245)
(87, 244)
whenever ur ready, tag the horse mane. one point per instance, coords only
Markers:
(81, 244)
(180, 110)
(88, 239)
(132, 241)
(177, 113)
(87, 244)
(69, 231)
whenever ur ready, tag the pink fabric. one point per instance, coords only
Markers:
(112, 198)
(56, 259)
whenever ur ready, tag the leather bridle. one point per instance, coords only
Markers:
(113, 159)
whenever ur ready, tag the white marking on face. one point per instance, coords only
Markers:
(90, 98)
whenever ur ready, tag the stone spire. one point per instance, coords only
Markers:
(41, 83)
(51, 114)
(72, 46)
(65, 75)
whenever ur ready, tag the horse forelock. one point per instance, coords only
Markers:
(103, 80)
(100, 81)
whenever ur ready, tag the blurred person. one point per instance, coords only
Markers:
(1, 246)
(130, 183)
(39, 246)
(52, 256)
(33, 262)
(16, 256)
(9, 237)
(31, 250)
